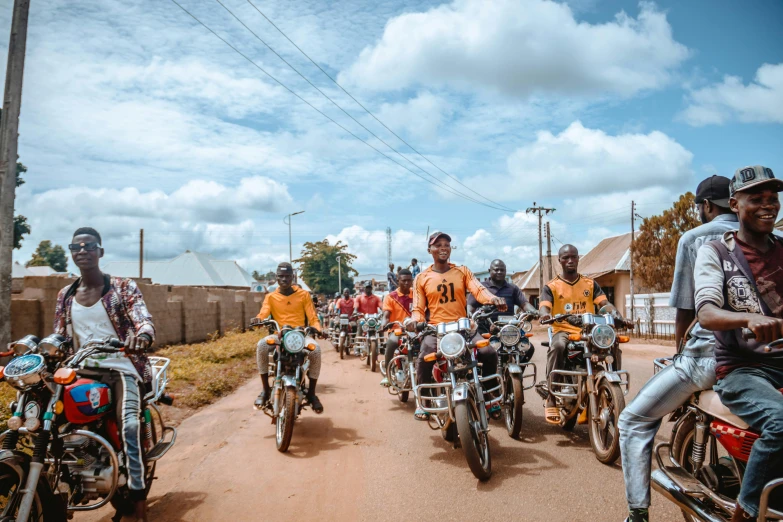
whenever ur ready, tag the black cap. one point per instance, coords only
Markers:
(368, 284)
(435, 235)
(715, 189)
(748, 177)
(285, 269)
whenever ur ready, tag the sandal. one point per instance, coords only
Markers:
(494, 411)
(421, 415)
(552, 415)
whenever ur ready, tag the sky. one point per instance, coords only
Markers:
(135, 115)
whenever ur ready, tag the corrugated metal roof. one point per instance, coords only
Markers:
(19, 270)
(188, 269)
(609, 255)
(530, 279)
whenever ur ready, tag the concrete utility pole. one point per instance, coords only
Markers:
(549, 252)
(633, 234)
(287, 221)
(339, 275)
(141, 254)
(540, 211)
(388, 246)
(9, 140)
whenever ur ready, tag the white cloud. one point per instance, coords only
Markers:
(760, 101)
(521, 47)
(421, 117)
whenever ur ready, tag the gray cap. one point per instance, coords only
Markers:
(748, 177)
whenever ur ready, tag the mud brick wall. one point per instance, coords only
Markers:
(182, 314)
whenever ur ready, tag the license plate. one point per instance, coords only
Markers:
(344, 321)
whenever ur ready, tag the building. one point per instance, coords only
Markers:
(188, 269)
(528, 281)
(380, 284)
(609, 263)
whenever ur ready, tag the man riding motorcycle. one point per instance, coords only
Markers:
(692, 370)
(498, 286)
(291, 306)
(396, 308)
(739, 284)
(368, 303)
(98, 306)
(442, 290)
(569, 293)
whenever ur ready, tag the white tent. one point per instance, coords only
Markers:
(188, 269)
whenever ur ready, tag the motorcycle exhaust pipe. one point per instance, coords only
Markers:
(665, 486)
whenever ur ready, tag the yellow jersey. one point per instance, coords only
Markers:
(578, 297)
(293, 310)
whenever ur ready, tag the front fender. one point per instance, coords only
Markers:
(289, 380)
(608, 376)
(460, 393)
(514, 368)
(17, 461)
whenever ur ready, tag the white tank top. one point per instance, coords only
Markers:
(90, 323)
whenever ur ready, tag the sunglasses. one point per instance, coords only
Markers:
(92, 246)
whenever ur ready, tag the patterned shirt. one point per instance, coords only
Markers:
(445, 295)
(125, 307)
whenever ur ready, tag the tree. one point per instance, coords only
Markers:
(21, 228)
(319, 266)
(263, 277)
(48, 255)
(655, 248)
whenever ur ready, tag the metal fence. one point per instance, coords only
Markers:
(664, 331)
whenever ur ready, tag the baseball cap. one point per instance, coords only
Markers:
(752, 176)
(368, 284)
(435, 235)
(715, 189)
(285, 269)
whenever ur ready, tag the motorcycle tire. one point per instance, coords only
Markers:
(475, 444)
(606, 441)
(513, 406)
(121, 500)
(450, 433)
(374, 356)
(285, 421)
(47, 507)
(403, 396)
(341, 347)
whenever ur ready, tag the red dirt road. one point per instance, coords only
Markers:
(366, 458)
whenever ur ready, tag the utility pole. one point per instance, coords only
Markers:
(141, 254)
(339, 275)
(388, 246)
(633, 234)
(288, 222)
(9, 140)
(549, 252)
(540, 211)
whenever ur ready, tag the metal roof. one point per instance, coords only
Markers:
(610, 255)
(188, 269)
(530, 279)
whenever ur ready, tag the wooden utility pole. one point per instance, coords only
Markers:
(141, 254)
(551, 273)
(630, 251)
(9, 138)
(540, 211)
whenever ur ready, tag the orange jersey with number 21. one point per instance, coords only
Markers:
(445, 295)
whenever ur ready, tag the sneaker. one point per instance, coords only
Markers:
(638, 515)
(385, 382)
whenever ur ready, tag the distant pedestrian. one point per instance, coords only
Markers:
(391, 278)
(415, 268)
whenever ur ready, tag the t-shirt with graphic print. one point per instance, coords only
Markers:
(444, 295)
(578, 297)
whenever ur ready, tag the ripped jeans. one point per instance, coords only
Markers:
(262, 358)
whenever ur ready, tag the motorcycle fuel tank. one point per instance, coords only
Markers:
(86, 401)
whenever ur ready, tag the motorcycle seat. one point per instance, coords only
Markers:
(709, 401)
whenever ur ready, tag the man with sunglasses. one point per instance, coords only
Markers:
(98, 306)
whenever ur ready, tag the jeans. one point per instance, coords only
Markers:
(640, 420)
(262, 358)
(391, 346)
(753, 395)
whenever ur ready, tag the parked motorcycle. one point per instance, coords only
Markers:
(289, 389)
(62, 451)
(368, 339)
(346, 337)
(509, 338)
(401, 371)
(706, 456)
(457, 400)
(579, 388)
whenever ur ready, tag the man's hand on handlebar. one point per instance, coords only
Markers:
(766, 329)
(136, 344)
(546, 318)
(500, 303)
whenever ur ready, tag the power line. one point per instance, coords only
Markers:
(368, 111)
(443, 185)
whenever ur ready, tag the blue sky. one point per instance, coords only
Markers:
(134, 116)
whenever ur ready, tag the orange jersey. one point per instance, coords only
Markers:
(293, 310)
(445, 295)
(579, 297)
(394, 303)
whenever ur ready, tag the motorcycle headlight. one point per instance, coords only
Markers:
(510, 335)
(372, 323)
(452, 345)
(294, 341)
(25, 371)
(365, 327)
(603, 336)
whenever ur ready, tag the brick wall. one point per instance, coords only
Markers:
(182, 314)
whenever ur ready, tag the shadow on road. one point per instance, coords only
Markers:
(313, 435)
(174, 505)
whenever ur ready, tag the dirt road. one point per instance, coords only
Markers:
(366, 458)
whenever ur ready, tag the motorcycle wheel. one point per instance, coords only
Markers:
(513, 405)
(285, 421)
(605, 439)
(403, 396)
(374, 356)
(47, 507)
(475, 442)
(341, 347)
(450, 433)
(121, 500)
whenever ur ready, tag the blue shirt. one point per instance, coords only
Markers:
(415, 270)
(702, 342)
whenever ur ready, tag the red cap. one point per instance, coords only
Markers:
(435, 235)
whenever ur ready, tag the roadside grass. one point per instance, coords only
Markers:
(199, 374)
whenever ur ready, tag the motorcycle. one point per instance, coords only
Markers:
(459, 405)
(401, 371)
(509, 337)
(289, 389)
(346, 337)
(62, 451)
(368, 341)
(583, 390)
(707, 452)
